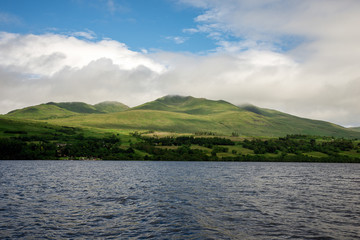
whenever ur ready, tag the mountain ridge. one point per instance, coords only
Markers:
(187, 104)
(184, 114)
(66, 109)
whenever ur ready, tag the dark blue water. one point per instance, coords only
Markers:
(178, 200)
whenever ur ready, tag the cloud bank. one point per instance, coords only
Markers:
(41, 68)
(300, 56)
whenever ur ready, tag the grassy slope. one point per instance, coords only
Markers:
(189, 105)
(11, 127)
(109, 107)
(42, 112)
(190, 115)
(357, 129)
(53, 110)
(77, 107)
(222, 121)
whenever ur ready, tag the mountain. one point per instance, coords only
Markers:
(182, 115)
(355, 129)
(53, 110)
(189, 105)
(76, 107)
(110, 107)
(41, 112)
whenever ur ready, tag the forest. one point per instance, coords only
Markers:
(292, 148)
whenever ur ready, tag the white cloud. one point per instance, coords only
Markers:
(48, 54)
(318, 77)
(190, 30)
(41, 68)
(87, 34)
(177, 39)
(325, 53)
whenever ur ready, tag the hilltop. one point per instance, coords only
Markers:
(181, 114)
(189, 105)
(53, 110)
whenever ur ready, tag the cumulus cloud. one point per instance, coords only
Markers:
(41, 68)
(86, 34)
(317, 74)
(48, 54)
(320, 38)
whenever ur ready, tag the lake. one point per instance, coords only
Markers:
(178, 200)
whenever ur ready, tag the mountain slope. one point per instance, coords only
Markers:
(110, 107)
(190, 105)
(77, 107)
(41, 112)
(357, 129)
(193, 115)
(65, 109)
(240, 122)
(189, 115)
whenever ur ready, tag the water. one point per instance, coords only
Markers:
(178, 200)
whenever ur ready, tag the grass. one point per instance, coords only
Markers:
(224, 124)
(14, 128)
(10, 127)
(42, 112)
(184, 115)
(352, 153)
(189, 105)
(355, 129)
(316, 154)
(110, 106)
(53, 110)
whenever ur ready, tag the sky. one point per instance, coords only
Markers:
(297, 56)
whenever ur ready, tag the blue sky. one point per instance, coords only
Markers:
(299, 56)
(141, 24)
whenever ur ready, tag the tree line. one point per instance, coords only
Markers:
(289, 148)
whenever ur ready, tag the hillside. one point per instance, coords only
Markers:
(184, 115)
(42, 112)
(189, 105)
(110, 107)
(77, 107)
(355, 129)
(53, 110)
(10, 127)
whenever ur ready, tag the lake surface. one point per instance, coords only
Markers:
(178, 200)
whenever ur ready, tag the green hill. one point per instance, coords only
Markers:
(189, 105)
(53, 110)
(10, 127)
(77, 107)
(357, 129)
(184, 115)
(42, 112)
(110, 107)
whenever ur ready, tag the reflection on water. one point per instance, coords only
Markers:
(178, 200)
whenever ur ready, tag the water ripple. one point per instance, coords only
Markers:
(178, 200)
